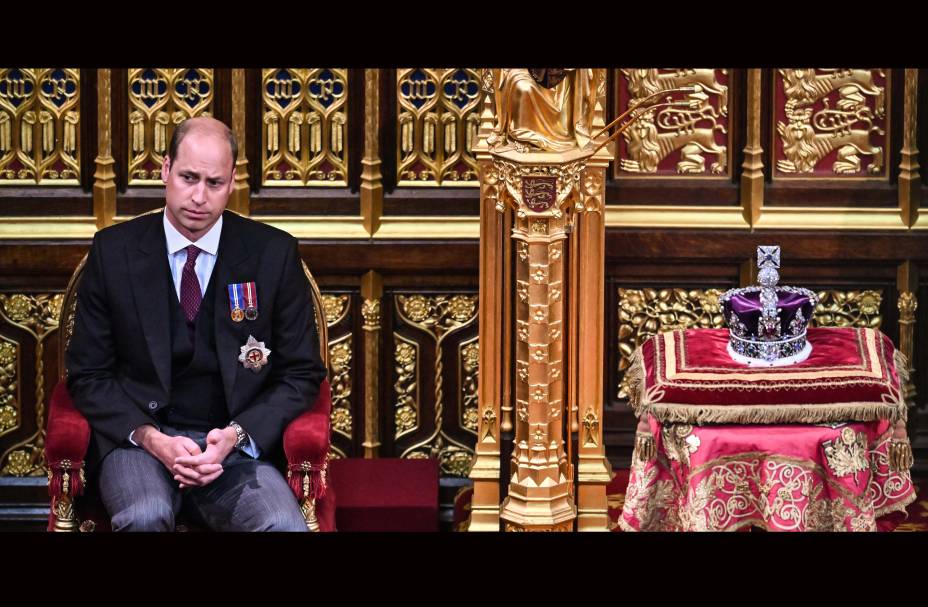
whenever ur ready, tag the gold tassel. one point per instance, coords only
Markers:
(645, 448)
(634, 380)
(901, 362)
(900, 455)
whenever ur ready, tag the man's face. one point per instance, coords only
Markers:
(198, 182)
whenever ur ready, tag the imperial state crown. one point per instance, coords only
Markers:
(767, 323)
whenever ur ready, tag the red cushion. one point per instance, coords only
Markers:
(386, 494)
(68, 433)
(306, 438)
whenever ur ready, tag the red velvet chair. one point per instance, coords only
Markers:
(74, 506)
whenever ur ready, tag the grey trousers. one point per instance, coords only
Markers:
(140, 494)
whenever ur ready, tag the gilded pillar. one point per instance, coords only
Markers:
(752, 176)
(240, 202)
(372, 295)
(909, 179)
(485, 472)
(104, 177)
(540, 188)
(371, 185)
(907, 284)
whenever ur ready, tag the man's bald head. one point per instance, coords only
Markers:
(205, 125)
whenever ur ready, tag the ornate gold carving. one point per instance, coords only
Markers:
(848, 309)
(439, 316)
(590, 428)
(907, 304)
(469, 357)
(39, 132)
(159, 100)
(336, 307)
(489, 421)
(455, 462)
(548, 110)
(406, 359)
(847, 454)
(9, 385)
(38, 315)
(691, 130)
(679, 442)
(340, 381)
(370, 311)
(820, 121)
(646, 312)
(304, 131)
(437, 123)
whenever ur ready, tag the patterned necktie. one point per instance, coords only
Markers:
(190, 296)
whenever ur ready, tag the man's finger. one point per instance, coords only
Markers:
(186, 473)
(195, 460)
(191, 447)
(205, 469)
(210, 477)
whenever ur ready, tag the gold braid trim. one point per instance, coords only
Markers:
(776, 414)
(901, 362)
(634, 378)
(899, 506)
(645, 447)
(900, 455)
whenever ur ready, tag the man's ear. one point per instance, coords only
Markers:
(165, 168)
(232, 181)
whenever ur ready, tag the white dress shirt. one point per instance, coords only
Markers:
(208, 244)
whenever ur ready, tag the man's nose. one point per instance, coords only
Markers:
(199, 192)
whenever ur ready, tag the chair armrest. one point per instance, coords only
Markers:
(66, 441)
(306, 446)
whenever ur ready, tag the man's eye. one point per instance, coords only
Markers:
(188, 178)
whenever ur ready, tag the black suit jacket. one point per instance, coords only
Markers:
(119, 358)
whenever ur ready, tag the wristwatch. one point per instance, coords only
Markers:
(241, 439)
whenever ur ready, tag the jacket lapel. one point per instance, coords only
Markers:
(233, 253)
(151, 289)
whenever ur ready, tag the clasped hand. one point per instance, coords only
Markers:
(191, 466)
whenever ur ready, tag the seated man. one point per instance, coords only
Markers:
(193, 348)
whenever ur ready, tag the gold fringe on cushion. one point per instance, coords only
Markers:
(645, 448)
(900, 455)
(776, 414)
(901, 362)
(634, 380)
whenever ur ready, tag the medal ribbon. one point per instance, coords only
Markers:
(235, 296)
(251, 295)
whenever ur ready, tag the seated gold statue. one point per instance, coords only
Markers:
(547, 110)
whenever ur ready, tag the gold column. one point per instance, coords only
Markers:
(485, 472)
(540, 482)
(104, 178)
(593, 469)
(371, 185)
(909, 179)
(752, 177)
(371, 294)
(241, 202)
(907, 284)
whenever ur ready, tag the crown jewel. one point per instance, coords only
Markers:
(767, 323)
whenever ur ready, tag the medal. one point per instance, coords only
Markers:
(235, 302)
(253, 354)
(251, 300)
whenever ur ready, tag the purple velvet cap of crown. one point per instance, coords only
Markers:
(747, 307)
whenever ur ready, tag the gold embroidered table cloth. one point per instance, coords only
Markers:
(801, 447)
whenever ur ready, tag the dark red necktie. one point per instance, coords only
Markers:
(190, 296)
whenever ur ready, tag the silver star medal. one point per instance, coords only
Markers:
(254, 355)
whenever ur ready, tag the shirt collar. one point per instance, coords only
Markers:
(208, 243)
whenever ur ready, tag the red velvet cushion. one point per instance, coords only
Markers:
(68, 433)
(306, 439)
(386, 494)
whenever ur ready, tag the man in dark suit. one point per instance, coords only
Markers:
(193, 348)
